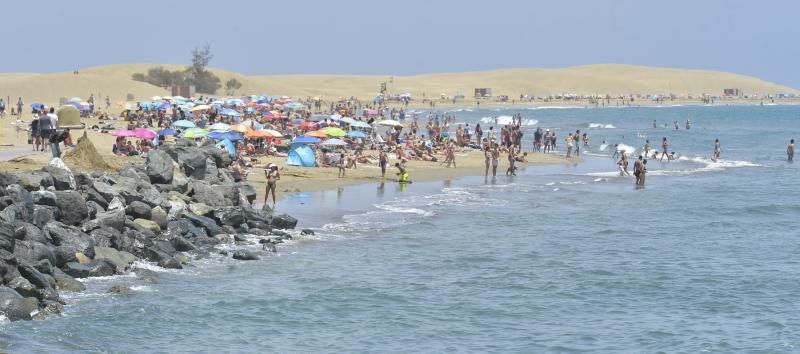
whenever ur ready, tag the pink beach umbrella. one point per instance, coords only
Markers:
(124, 133)
(144, 133)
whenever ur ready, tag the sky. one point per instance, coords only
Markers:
(404, 37)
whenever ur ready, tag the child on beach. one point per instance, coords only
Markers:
(341, 164)
(403, 175)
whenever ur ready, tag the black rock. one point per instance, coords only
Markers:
(43, 215)
(139, 210)
(146, 276)
(35, 180)
(7, 179)
(244, 255)
(159, 167)
(72, 207)
(62, 178)
(283, 222)
(104, 236)
(120, 289)
(92, 195)
(44, 198)
(281, 234)
(96, 268)
(28, 232)
(66, 282)
(7, 239)
(94, 209)
(105, 190)
(22, 200)
(192, 159)
(44, 266)
(83, 179)
(13, 305)
(69, 241)
(181, 244)
(206, 223)
(231, 216)
(33, 275)
(211, 196)
(33, 252)
(307, 232)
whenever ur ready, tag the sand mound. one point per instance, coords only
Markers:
(85, 157)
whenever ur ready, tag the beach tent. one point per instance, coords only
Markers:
(69, 117)
(229, 146)
(301, 155)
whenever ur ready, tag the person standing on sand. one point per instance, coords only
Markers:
(20, 105)
(383, 161)
(45, 130)
(569, 141)
(451, 154)
(790, 150)
(341, 164)
(478, 133)
(272, 176)
(665, 148)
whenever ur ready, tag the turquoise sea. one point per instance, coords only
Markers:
(560, 259)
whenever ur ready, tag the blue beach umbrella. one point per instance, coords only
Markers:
(303, 139)
(167, 131)
(228, 145)
(230, 112)
(356, 134)
(219, 126)
(184, 124)
(359, 124)
(37, 106)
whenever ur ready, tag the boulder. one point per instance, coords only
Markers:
(176, 208)
(105, 190)
(229, 191)
(135, 173)
(150, 195)
(306, 232)
(43, 215)
(159, 167)
(116, 203)
(35, 180)
(206, 223)
(283, 222)
(204, 193)
(200, 209)
(124, 241)
(148, 224)
(7, 237)
(191, 159)
(44, 198)
(231, 216)
(92, 195)
(45, 267)
(83, 179)
(72, 207)
(8, 266)
(32, 252)
(69, 241)
(94, 209)
(159, 216)
(7, 179)
(146, 276)
(63, 179)
(245, 255)
(13, 305)
(139, 210)
(22, 200)
(23, 287)
(103, 236)
(120, 289)
(120, 259)
(36, 278)
(113, 219)
(96, 268)
(247, 191)
(66, 282)
(181, 244)
(28, 232)
(212, 174)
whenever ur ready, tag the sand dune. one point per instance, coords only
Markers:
(115, 81)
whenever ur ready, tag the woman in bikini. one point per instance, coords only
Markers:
(495, 159)
(272, 175)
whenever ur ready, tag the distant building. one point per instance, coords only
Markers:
(732, 92)
(483, 92)
(183, 90)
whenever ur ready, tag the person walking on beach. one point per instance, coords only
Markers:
(20, 105)
(450, 151)
(383, 161)
(272, 176)
(487, 154)
(790, 150)
(569, 141)
(45, 130)
(717, 151)
(665, 149)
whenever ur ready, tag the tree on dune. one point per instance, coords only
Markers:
(203, 80)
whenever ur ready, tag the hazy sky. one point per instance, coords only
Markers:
(404, 36)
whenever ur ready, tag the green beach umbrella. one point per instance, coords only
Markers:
(192, 133)
(333, 131)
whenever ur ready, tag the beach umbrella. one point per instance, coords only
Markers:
(124, 133)
(348, 120)
(308, 125)
(37, 106)
(334, 142)
(144, 133)
(190, 115)
(316, 134)
(219, 135)
(336, 116)
(156, 98)
(239, 128)
(390, 123)
(372, 112)
(331, 131)
(192, 133)
(359, 124)
(200, 108)
(228, 144)
(356, 134)
(164, 106)
(305, 140)
(235, 102)
(75, 99)
(230, 112)
(168, 131)
(184, 124)
(273, 115)
(219, 126)
(264, 133)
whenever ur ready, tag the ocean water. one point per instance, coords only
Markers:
(568, 258)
